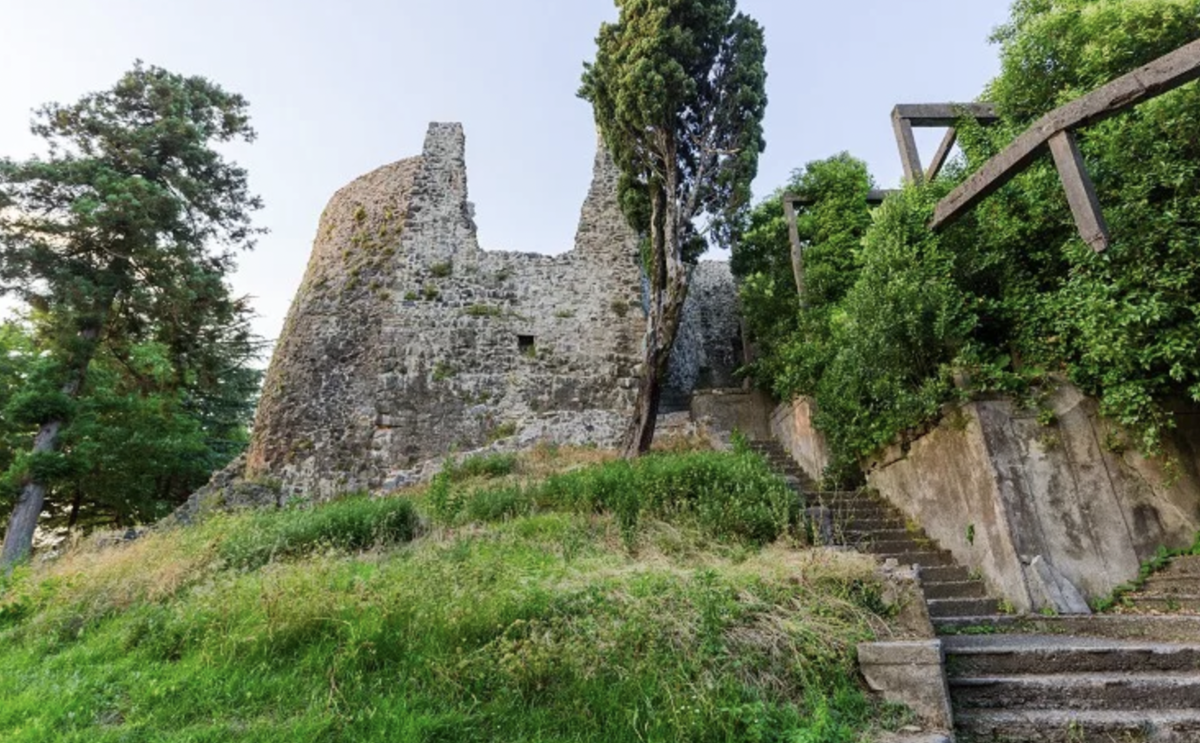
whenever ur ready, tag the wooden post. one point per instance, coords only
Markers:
(943, 154)
(789, 213)
(910, 157)
(1081, 192)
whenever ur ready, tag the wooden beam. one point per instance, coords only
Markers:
(789, 214)
(944, 114)
(910, 158)
(875, 197)
(942, 155)
(1081, 193)
(1160, 76)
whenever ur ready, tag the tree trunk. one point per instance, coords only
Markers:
(18, 538)
(668, 290)
(76, 502)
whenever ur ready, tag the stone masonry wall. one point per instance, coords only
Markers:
(708, 349)
(407, 341)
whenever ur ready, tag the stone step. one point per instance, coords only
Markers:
(858, 535)
(947, 574)
(1006, 655)
(851, 516)
(875, 527)
(896, 547)
(933, 559)
(1172, 584)
(1055, 726)
(1175, 628)
(1078, 691)
(848, 502)
(961, 607)
(963, 589)
(880, 520)
(1166, 603)
(784, 465)
(1187, 565)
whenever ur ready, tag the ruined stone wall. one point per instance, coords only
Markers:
(407, 341)
(317, 408)
(708, 349)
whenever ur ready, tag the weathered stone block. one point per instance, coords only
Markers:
(912, 674)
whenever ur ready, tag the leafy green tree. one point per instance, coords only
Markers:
(123, 234)
(17, 355)
(792, 337)
(678, 90)
(1125, 325)
(134, 448)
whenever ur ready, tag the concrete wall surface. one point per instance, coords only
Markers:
(792, 427)
(1051, 516)
(728, 410)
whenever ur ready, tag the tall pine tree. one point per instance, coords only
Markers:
(124, 234)
(678, 89)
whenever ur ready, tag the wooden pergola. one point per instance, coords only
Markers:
(1054, 132)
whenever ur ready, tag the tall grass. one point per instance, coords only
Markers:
(352, 524)
(526, 620)
(728, 496)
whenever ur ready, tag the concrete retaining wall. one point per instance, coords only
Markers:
(791, 425)
(1051, 516)
(728, 410)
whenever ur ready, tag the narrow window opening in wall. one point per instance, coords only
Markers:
(526, 344)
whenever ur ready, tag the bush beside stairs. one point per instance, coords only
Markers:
(1125, 678)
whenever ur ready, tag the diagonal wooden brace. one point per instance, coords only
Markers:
(1081, 192)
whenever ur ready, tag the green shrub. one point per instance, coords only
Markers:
(353, 524)
(831, 228)
(483, 310)
(483, 465)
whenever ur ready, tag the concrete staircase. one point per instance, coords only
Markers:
(856, 519)
(1119, 677)
(1106, 679)
(1072, 689)
(1175, 589)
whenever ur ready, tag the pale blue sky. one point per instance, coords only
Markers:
(340, 88)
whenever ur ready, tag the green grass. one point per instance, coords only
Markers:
(528, 617)
(1161, 561)
(351, 524)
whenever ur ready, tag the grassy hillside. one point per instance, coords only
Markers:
(558, 597)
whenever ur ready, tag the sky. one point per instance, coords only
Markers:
(337, 89)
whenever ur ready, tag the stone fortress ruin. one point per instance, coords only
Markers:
(407, 341)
